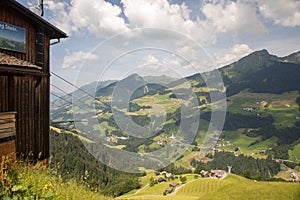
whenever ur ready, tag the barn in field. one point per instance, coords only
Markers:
(25, 40)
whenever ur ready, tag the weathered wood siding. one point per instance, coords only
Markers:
(27, 91)
(24, 95)
(9, 16)
(7, 133)
(3, 93)
(7, 124)
(7, 148)
(28, 95)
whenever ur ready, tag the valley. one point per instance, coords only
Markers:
(261, 128)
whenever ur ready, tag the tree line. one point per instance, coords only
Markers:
(247, 166)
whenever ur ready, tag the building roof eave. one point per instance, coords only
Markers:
(54, 32)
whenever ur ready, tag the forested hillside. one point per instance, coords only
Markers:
(70, 159)
(262, 121)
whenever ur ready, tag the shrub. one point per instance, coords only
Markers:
(183, 179)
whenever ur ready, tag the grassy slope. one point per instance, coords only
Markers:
(282, 107)
(236, 187)
(36, 181)
(295, 153)
(232, 187)
(157, 189)
(242, 141)
(57, 130)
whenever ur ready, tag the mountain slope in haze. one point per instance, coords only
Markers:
(251, 63)
(163, 79)
(293, 58)
(133, 85)
(263, 108)
(257, 72)
(263, 73)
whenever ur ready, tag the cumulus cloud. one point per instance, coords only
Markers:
(163, 14)
(148, 60)
(71, 60)
(99, 18)
(58, 14)
(218, 19)
(238, 17)
(282, 12)
(235, 53)
(103, 19)
(151, 65)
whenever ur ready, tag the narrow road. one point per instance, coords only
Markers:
(138, 191)
(131, 196)
(178, 188)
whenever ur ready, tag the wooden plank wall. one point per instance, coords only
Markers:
(7, 124)
(33, 119)
(3, 93)
(28, 95)
(42, 123)
(23, 100)
(7, 134)
(8, 149)
(8, 16)
(46, 68)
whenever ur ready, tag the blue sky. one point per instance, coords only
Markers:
(112, 39)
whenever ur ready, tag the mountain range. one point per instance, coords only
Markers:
(262, 95)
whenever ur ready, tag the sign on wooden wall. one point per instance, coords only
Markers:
(12, 37)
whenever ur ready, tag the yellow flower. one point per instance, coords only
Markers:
(48, 186)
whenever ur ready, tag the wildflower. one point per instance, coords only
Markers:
(48, 186)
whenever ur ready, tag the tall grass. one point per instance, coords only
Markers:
(22, 180)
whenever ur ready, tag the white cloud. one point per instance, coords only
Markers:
(235, 53)
(282, 12)
(161, 14)
(151, 65)
(71, 60)
(103, 19)
(156, 13)
(148, 60)
(237, 17)
(220, 23)
(58, 14)
(171, 66)
(99, 18)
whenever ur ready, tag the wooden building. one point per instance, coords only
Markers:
(25, 40)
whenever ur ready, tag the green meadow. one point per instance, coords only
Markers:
(232, 187)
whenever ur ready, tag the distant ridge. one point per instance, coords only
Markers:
(262, 72)
(292, 58)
